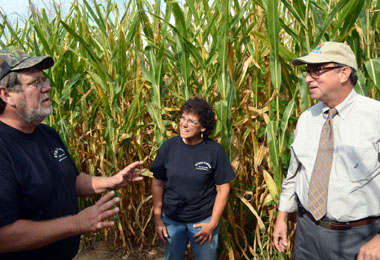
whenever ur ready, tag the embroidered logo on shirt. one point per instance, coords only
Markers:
(203, 166)
(60, 154)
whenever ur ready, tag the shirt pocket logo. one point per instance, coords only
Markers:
(203, 166)
(59, 154)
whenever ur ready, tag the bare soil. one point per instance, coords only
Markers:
(100, 251)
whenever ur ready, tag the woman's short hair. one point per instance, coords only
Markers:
(203, 110)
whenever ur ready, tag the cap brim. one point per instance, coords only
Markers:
(42, 62)
(309, 60)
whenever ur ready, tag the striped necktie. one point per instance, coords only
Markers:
(319, 182)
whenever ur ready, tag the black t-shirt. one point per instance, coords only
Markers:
(190, 173)
(37, 182)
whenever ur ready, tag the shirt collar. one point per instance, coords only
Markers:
(345, 107)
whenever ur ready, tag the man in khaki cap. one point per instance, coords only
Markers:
(333, 180)
(39, 182)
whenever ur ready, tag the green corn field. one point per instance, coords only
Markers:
(122, 73)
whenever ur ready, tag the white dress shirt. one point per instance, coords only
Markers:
(354, 186)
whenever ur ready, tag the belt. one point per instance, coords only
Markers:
(334, 225)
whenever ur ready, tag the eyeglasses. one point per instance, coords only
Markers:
(38, 83)
(315, 73)
(189, 121)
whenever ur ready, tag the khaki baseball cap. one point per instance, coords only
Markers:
(12, 59)
(329, 52)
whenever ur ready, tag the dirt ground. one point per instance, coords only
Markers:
(100, 251)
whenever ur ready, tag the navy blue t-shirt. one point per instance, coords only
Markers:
(37, 182)
(190, 173)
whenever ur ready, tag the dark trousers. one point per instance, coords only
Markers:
(314, 242)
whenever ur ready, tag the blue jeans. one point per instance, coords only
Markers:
(179, 233)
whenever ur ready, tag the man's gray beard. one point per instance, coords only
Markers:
(35, 116)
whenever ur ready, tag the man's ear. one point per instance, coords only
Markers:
(346, 72)
(5, 96)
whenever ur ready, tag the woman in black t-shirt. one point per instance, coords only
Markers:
(191, 185)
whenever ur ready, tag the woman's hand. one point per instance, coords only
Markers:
(207, 229)
(160, 229)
